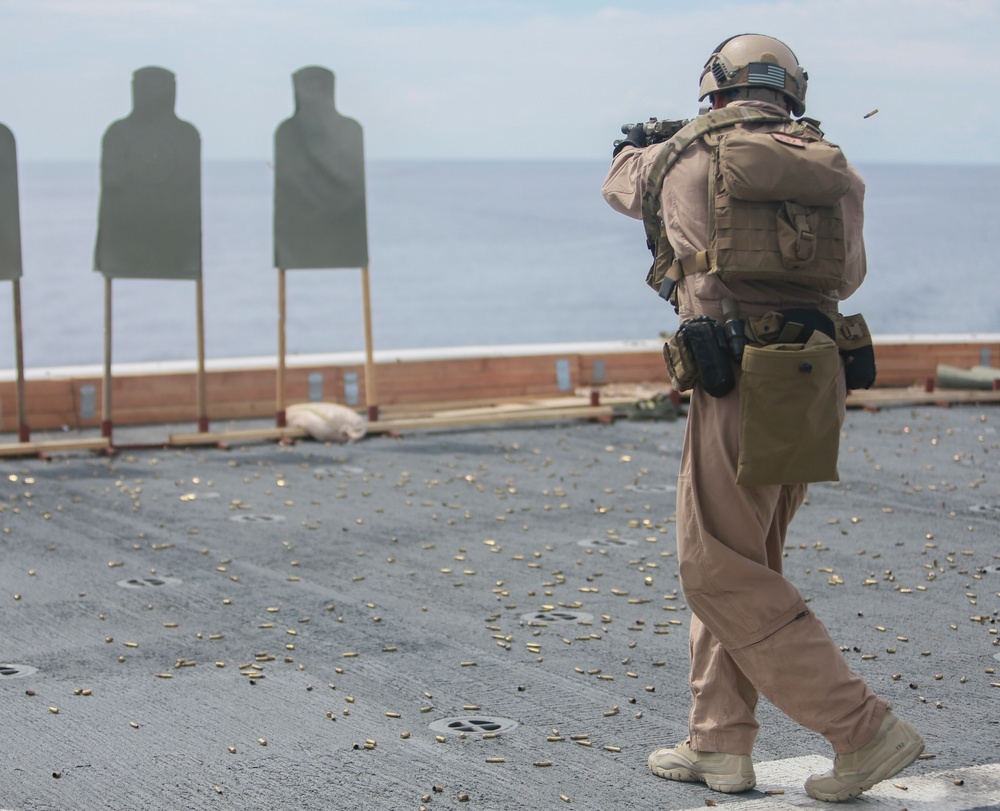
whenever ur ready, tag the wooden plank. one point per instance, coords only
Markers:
(507, 407)
(52, 446)
(242, 435)
(444, 421)
(877, 397)
(612, 393)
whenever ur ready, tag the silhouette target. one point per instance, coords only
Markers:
(149, 220)
(319, 181)
(10, 219)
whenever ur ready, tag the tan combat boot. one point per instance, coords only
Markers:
(719, 771)
(895, 746)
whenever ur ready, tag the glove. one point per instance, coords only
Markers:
(636, 137)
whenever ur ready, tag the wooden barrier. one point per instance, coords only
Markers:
(408, 382)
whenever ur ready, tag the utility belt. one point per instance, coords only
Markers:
(791, 362)
(703, 351)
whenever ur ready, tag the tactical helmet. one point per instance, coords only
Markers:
(755, 60)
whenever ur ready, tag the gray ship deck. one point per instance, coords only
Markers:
(285, 626)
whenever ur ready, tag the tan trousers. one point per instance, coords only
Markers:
(751, 632)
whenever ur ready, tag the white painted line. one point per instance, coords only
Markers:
(980, 789)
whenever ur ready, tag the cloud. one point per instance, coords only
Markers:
(506, 79)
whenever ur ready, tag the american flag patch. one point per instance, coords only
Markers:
(766, 73)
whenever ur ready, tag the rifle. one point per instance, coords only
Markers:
(657, 129)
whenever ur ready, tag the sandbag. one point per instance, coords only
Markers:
(326, 422)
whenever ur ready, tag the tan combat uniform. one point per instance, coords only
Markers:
(751, 631)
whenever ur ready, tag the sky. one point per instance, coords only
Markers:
(496, 79)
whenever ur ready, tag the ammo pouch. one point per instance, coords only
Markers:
(791, 326)
(789, 413)
(795, 326)
(855, 344)
(663, 258)
(698, 353)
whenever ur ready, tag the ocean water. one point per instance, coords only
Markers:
(461, 253)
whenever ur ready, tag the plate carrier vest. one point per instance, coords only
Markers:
(774, 203)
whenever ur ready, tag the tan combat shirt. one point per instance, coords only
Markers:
(684, 208)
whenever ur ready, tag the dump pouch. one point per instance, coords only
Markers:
(789, 428)
(698, 353)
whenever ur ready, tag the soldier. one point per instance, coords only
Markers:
(756, 225)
